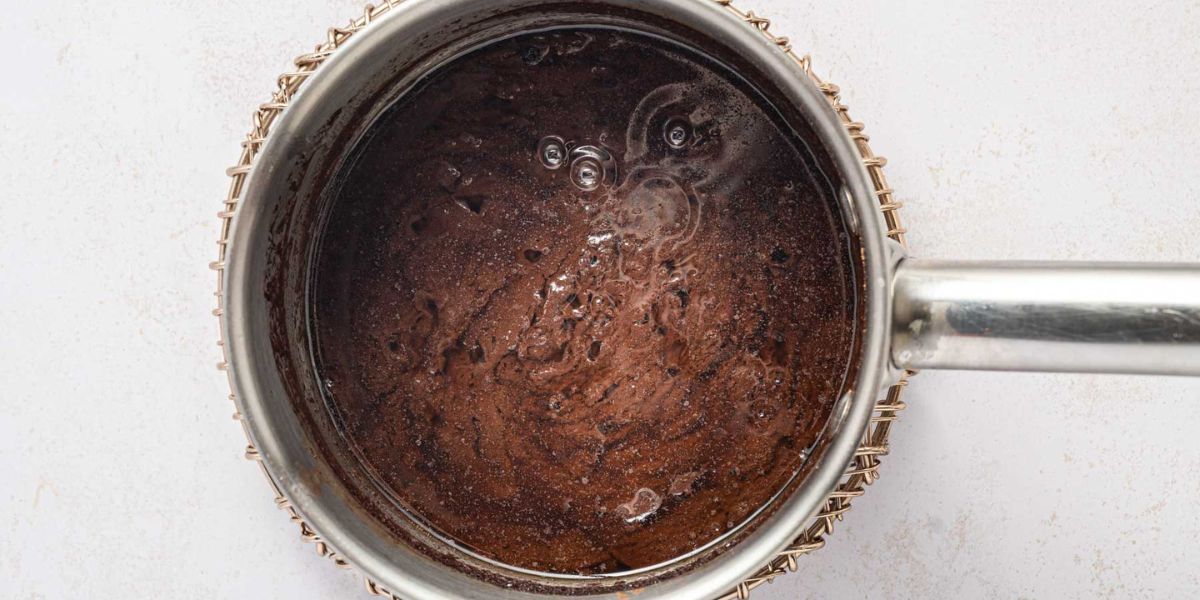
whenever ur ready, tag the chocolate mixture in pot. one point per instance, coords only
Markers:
(583, 301)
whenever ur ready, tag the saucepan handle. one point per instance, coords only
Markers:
(1067, 317)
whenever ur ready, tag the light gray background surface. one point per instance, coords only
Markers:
(1015, 130)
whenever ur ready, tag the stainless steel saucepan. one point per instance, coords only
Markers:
(919, 314)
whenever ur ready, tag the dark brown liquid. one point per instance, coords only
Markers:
(583, 381)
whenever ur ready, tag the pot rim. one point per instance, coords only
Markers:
(279, 442)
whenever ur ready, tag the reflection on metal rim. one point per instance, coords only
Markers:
(851, 460)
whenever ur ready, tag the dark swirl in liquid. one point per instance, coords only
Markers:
(580, 381)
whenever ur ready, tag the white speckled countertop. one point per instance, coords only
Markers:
(1015, 130)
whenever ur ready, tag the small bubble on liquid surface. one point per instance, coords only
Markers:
(678, 133)
(552, 151)
(591, 167)
(586, 174)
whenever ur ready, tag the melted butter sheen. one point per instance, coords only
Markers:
(582, 302)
